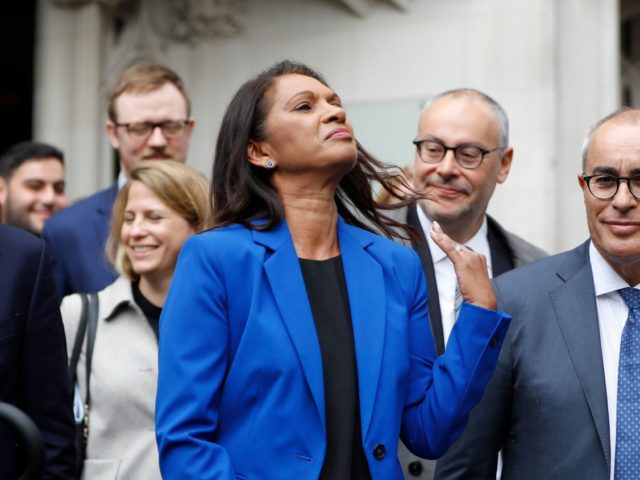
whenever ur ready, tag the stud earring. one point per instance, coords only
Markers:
(269, 164)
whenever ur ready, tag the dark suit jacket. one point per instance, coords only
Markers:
(33, 355)
(508, 251)
(546, 405)
(76, 238)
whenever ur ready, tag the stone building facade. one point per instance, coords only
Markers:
(556, 66)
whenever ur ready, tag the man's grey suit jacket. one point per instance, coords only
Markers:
(508, 251)
(546, 405)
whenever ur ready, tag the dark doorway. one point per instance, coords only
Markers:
(17, 37)
(630, 52)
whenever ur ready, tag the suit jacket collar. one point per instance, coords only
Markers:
(501, 260)
(423, 251)
(287, 284)
(101, 221)
(501, 253)
(115, 298)
(105, 203)
(574, 302)
(367, 305)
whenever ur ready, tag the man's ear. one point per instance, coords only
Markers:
(259, 155)
(189, 129)
(113, 136)
(505, 164)
(581, 182)
(4, 191)
(3, 197)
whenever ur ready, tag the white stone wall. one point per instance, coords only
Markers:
(68, 98)
(552, 64)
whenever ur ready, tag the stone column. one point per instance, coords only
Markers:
(69, 94)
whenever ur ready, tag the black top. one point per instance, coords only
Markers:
(148, 309)
(327, 291)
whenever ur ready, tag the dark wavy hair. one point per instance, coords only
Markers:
(21, 152)
(242, 193)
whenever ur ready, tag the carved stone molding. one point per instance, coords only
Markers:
(116, 6)
(362, 7)
(177, 20)
(191, 20)
(141, 30)
(80, 3)
(204, 18)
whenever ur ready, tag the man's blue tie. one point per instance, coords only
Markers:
(628, 403)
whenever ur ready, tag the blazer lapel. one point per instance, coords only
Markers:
(367, 302)
(288, 288)
(102, 223)
(575, 306)
(422, 249)
(501, 254)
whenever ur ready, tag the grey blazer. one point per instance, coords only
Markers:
(124, 377)
(508, 251)
(546, 405)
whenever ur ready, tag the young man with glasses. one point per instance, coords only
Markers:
(563, 402)
(149, 119)
(462, 152)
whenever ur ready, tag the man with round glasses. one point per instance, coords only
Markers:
(149, 119)
(605, 185)
(462, 153)
(563, 402)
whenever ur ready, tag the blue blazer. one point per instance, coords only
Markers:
(240, 389)
(33, 354)
(76, 238)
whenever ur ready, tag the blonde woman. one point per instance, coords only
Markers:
(163, 203)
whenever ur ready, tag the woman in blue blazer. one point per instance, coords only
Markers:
(294, 343)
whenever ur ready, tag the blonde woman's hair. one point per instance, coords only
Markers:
(181, 188)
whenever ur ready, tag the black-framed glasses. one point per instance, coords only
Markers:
(467, 155)
(605, 187)
(143, 130)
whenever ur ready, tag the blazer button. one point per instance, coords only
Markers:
(379, 451)
(494, 342)
(415, 468)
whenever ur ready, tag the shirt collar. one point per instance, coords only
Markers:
(478, 243)
(605, 278)
(122, 179)
(116, 297)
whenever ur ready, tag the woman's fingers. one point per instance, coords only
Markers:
(448, 246)
(471, 270)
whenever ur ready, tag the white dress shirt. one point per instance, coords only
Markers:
(445, 273)
(122, 179)
(612, 315)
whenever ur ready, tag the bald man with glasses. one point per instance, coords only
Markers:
(149, 119)
(563, 402)
(462, 153)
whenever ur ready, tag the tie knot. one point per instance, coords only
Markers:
(631, 297)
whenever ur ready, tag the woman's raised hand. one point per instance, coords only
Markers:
(471, 270)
